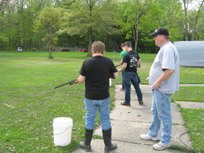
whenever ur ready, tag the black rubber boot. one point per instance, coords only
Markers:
(86, 145)
(107, 140)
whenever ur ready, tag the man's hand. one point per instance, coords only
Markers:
(165, 75)
(156, 85)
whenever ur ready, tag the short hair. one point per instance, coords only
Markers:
(122, 45)
(128, 43)
(166, 37)
(98, 47)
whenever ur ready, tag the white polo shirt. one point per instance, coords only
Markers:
(167, 58)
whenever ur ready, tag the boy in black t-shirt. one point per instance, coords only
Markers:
(130, 62)
(95, 73)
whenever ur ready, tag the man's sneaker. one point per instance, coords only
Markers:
(122, 89)
(141, 102)
(161, 146)
(125, 104)
(148, 137)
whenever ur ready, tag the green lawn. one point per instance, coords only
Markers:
(29, 102)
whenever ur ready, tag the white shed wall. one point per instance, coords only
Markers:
(191, 53)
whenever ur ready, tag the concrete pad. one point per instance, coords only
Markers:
(133, 97)
(176, 114)
(135, 112)
(124, 147)
(146, 91)
(141, 113)
(144, 88)
(129, 122)
(177, 130)
(130, 132)
(188, 104)
(127, 131)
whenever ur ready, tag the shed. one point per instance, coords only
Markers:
(191, 53)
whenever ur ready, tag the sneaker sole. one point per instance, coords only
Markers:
(162, 148)
(150, 139)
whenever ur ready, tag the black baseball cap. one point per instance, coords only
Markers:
(160, 31)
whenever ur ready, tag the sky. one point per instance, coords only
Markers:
(192, 4)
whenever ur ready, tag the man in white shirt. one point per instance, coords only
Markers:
(164, 81)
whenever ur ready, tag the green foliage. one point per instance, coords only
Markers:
(173, 19)
(110, 21)
(79, 17)
(48, 20)
(89, 17)
(149, 23)
(141, 17)
(199, 31)
(3, 39)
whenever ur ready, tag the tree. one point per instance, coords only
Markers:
(185, 4)
(173, 19)
(89, 17)
(137, 11)
(200, 27)
(196, 19)
(148, 23)
(4, 7)
(48, 20)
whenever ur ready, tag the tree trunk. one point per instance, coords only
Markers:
(186, 20)
(25, 43)
(90, 32)
(136, 40)
(136, 28)
(50, 50)
(90, 42)
(22, 16)
(38, 41)
(134, 32)
(196, 20)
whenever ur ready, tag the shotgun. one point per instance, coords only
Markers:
(70, 83)
(111, 75)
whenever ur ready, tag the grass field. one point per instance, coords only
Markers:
(29, 102)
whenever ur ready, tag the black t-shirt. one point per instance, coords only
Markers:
(131, 58)
(96, 70)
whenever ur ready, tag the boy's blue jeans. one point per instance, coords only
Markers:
(128, 78)
(161, 111)
(103, 108)
(123, 84)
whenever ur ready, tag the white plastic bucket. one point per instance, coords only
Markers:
(62, 129)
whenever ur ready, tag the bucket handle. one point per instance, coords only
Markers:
(63, 131)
